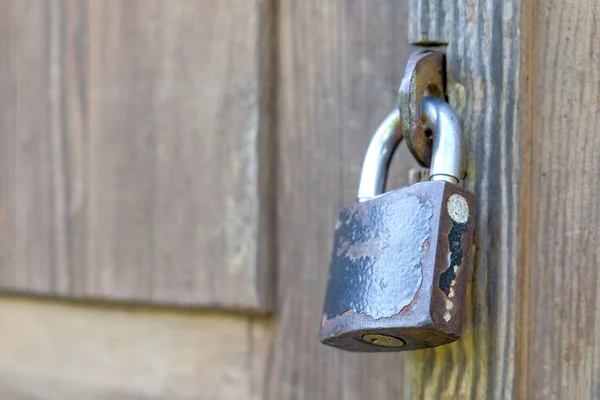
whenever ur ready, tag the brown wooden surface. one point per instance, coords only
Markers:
(134, 155)
(115, 161)
(340, 65)
(559, 340)
(64, 351)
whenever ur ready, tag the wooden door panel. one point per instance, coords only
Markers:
(135, 151)
(137, 163)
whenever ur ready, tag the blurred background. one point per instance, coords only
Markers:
(170, 176)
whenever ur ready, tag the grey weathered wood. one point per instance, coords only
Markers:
(485, 85)
(134, 140)
(341, 63)
(427, 22)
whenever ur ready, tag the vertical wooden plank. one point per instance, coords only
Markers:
(561, 307)
(136, 150)
(485, 87)
(340, 65)
(33, 244)
(429, 19)
(174, 129)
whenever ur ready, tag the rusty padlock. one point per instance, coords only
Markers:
(398, 272)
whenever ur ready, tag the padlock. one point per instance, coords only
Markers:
(399, 265)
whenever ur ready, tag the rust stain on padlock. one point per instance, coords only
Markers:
(458, 210)
(370, 248)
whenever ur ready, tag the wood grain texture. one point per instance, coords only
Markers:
(559, 343)
(340, 66)
(135, 151)
(485, 87)
(429, 19)
(62, 351)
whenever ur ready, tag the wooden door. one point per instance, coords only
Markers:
(171, 172)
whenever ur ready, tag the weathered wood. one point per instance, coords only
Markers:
(428, 21)
(485, 56)
(341, 63)
(135, 150)
(558, 347)
(56, 350)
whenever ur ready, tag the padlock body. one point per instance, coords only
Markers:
(399, 270)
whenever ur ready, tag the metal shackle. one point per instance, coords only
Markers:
(446, 158)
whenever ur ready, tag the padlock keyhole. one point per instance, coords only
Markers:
(383, 340)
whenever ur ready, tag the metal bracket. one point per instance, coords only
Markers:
(425, 75)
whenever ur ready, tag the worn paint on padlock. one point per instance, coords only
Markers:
(376, 253)
(398, 268)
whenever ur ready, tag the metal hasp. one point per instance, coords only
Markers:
(398, 272)
(424, 76)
